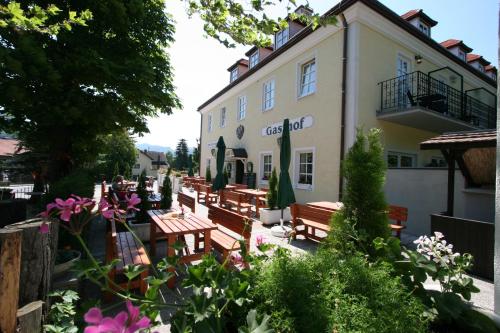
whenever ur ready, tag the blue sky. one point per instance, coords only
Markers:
(200, 64)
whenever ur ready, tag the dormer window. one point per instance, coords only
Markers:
(281, 38)
(254, 59)
(234, 74)
(425, 29)
(461, 55)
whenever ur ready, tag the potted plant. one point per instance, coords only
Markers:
(141, 224)
(272, 214)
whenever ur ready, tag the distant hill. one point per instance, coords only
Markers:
(147, 146)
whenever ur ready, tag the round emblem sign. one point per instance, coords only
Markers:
(240, 131)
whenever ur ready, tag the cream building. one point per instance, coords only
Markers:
(374, 68)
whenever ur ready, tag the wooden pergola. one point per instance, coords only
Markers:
(472, 151)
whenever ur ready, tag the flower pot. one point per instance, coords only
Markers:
(141, 230)
(269, 217)
(73, 256)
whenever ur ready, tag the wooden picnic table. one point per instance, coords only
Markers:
(257, 194)
(328, 205)
(166, 224)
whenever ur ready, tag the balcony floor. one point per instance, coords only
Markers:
(425, 119)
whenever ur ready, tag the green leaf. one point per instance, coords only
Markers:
(253, 325)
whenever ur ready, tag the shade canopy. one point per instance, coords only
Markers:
(219, 181)
(285, 189)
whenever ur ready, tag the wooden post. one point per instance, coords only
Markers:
(38, 256)
(29, 318)
(10, 265)
(450, 159)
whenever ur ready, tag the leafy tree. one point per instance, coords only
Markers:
(166, 191)
(196, 158)
(119, 155)
(272, 195)
(190, 166)
(144, 205)
(226, 176)
(61, 95)
(208, 175)
(364, 216)
(35, 18)
(170, 158)
(181, 155)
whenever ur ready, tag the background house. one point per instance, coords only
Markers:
(151, 161)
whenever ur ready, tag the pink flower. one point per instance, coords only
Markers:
(132, 201)
(44, 228)
(260, 240)
(65, 208)
(237, 260)
(105, 209)
(48, 210)
(122, 323)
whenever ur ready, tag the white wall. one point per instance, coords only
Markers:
(424, 192)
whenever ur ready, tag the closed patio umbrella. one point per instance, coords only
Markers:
(285, 189)
(219, 182)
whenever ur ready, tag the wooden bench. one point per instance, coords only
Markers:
(311, 219)
(205, 192)
(399, 215)
(124, 247)
(231, 199)
(186, 200)
(239, 224)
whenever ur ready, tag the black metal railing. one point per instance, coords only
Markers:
(418, 89)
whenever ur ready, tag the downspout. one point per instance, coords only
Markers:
(199, 145)
(343, 103)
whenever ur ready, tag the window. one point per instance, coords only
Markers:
(266, 167)
(307, 79)
(281, 38)
(223, 117)
(234, 74)
(268, 95)
(210, 122)
(254, 59)
(242, 107)
(461, 55)
(437, 162)
(401, 160)
(304, 171)
(137, 166)
(425, 29)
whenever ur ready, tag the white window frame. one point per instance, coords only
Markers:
(296, 168)
(400, 154)
(209, 122)
(262, 156)
(312, 82)
(242, 107)
(424, 28)
(253, 60)
(282, 37)
(137, 166)
(271, 93)
(234, 75)
(223, 117)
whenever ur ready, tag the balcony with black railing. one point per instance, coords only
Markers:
(421, 101)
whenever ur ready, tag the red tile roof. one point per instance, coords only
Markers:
(8, 147)
(476, 57)
(490, 68)
(418, 13)
(469, 139)
(455, 42)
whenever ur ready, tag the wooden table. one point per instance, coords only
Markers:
(254, 194)
(175, 228)
(328, 205)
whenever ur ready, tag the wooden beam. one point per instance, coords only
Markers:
(450, 159)
(10, 267)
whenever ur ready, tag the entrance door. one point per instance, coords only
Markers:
(239, 172)
(403, 81)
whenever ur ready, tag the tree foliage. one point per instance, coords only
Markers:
(166, 191)
(119, 155)
(208, 174)
(181, 155)
(144, 205)
(60, 95)
(272, 195)
(365, 208)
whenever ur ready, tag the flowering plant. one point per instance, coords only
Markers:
(123, 322)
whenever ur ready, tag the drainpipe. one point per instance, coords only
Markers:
(343, 103)
(199, 146)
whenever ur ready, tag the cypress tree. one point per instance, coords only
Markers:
(142, 193)
(272, 195)
(166, 191)
(208, 175)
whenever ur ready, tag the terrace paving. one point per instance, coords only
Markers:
(484, 299)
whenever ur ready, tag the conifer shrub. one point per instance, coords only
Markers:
(166, 191)
(364, 215)
(208, 175)
(144, 205)
(272, 194)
